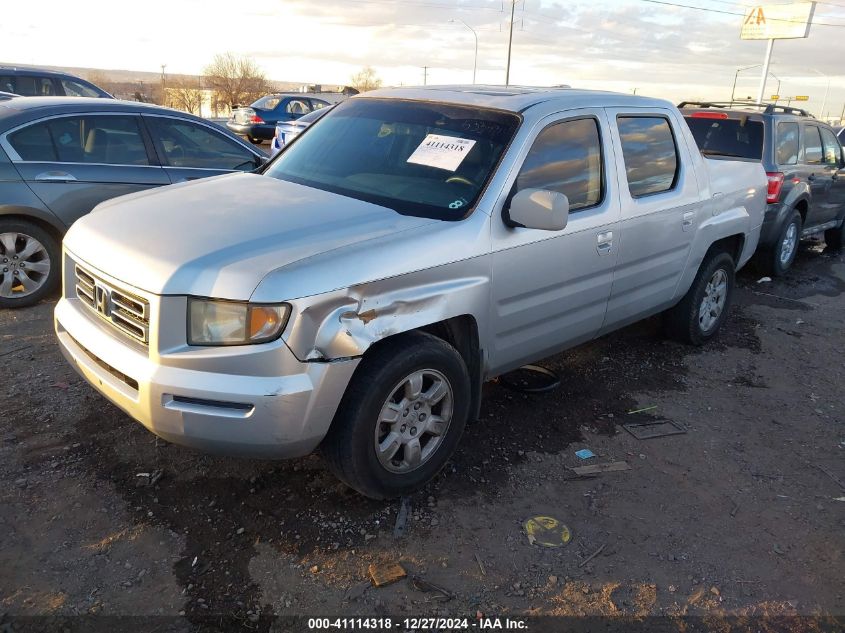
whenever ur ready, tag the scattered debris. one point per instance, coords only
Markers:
(547, 531)
(593, 469)
(584, 453)
(831, 475)
(429, 587)
(764, 280)
(148, 479)
(60, 385)
(523, 384)
(651, 408)
(13, 351)
(357, 591)
(653, 428)
(480, 565)
(839, 498)
(591, 556)
(696, 595)
(386, 573)
(401, 524)
(777, 549)
(735, 509)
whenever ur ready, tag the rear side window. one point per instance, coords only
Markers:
(651, 158)
(28, 86)
(812, 145)
(566, 157)
(786, 151)
(109, 140)
(832, 149)
(76, 89)
(297, 106)
(739, 138)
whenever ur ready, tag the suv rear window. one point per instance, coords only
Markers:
(738, 138)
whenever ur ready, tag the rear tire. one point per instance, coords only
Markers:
(834, 238)
(30, 263)
(700, 314)
(391, 434)
(254, 141)
(777, 259)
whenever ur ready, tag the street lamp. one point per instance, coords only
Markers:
(736, 74)
(824, 102)
(475, 63)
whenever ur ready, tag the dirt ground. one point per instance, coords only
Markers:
(743, 515)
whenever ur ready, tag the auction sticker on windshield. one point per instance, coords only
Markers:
(442, 152)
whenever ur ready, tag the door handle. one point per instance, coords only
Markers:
(55, 176)
(689, 216)
(605, 242)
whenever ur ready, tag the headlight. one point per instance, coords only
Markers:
(232, 323)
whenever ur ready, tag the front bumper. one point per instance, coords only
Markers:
(256, 401)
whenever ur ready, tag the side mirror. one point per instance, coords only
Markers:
(538, 209)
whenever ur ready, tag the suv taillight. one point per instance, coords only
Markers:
(775, 185)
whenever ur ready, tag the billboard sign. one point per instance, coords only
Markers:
(778, 21)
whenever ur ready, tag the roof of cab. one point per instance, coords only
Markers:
(514, 98)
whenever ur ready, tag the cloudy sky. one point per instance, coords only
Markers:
(667, 51)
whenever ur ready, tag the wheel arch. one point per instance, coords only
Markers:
(38, 217)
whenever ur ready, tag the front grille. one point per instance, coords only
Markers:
(114, 372)
(125, 311)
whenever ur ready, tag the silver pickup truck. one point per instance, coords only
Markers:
(408, 247)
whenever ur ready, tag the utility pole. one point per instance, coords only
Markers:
(425, 75)
(510, 45)
(163, 86)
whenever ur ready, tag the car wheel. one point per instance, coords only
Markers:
(700, 314)
(30, 265)
(401, 416)
(835, 237)
(781, 256)
(254, 141)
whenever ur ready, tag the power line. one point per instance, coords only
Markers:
(723, 12)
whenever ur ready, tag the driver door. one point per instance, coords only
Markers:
(190, 150)
(551, 288)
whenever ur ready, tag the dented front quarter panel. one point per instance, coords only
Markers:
(345, 323)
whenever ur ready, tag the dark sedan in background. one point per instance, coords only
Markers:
(60, 157)
(258, 122)
(36, 82)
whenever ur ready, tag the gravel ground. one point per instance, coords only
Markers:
(740, 516)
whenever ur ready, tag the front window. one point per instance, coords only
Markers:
(186, 144)
(77, 89)
(418, 158)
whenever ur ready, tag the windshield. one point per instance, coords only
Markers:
(266, 103)
(418, 158)
(739, 138)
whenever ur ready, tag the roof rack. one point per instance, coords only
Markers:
(768, 108)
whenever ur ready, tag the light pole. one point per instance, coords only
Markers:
(475, 63)
(736, 74)
(510, 44)
(827, 90)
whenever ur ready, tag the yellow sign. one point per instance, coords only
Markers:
(774, 98)
(802, 98)
(778, 21)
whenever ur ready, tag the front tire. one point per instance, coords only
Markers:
(401, 416)
(700, 314)
(30, 265)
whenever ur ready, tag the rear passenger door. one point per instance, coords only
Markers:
(660, 202)
(75, 162)
(550, 288)
(190, 150)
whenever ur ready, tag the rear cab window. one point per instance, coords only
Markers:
(649, 152)
(716, 134)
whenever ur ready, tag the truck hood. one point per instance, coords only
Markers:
(220, 236)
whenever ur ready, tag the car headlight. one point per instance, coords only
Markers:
(212, 322)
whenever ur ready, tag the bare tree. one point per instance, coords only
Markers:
(235, 80)
(365, 80)
(184, 94)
